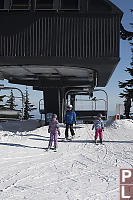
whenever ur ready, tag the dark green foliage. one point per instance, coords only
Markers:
(10, 104)
(127, 104)
(128, 84)
(126, 34)
(128, 88)
(28, 108)
(1, 100)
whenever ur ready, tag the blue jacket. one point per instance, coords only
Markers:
(98, 124)
(70, 117)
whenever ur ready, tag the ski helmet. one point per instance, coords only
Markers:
(99, 115)
(69, 106)
(54, 116)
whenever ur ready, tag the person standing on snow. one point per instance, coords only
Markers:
(54, 131)
(69, 120)
(99, 128)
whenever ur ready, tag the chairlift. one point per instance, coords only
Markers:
(88, 115)
(7, 114)
(41, 107)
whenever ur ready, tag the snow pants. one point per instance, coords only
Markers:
(98, 132)
(71, 130)
(53, 136)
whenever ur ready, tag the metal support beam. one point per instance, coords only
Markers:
(107, 99)
(72, 100)
(53, 102)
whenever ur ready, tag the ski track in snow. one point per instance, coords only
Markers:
(79, 170)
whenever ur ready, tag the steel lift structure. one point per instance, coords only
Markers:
(59, 45)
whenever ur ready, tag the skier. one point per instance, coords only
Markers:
(69, 120)
(54, 131)
(99, 128)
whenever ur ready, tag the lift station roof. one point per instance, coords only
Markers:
(60, 45)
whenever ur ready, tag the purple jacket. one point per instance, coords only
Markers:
(54, 126)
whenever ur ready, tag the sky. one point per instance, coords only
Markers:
(125, 56)
(119, 74)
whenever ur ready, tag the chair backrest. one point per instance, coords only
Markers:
(15, 114)
(90, 115)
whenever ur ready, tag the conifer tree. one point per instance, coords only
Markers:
(128, 88)
(127, 85)
(126, 35)
(1, 100)
(11, 102)
(28, 107)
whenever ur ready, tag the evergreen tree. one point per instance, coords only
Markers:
(124, 33)
(1, 100)
(128, 88)
(28, 107)
(127, 85)
(11, 102)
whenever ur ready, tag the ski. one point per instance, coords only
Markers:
(98, 144)
(52, 149)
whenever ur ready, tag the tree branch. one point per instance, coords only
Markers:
(125, 34)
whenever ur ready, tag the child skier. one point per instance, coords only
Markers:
(99, 128)
(69, 119)
(54, 132)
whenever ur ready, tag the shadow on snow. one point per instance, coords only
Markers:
(20, 145)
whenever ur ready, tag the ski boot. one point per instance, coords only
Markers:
(73, 136)
(101, 142)
(96, 141)
(55, 149)
(49, 147)
(66, 138)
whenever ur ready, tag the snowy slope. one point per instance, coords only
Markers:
(80, 170)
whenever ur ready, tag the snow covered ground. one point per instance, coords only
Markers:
(80, 170)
